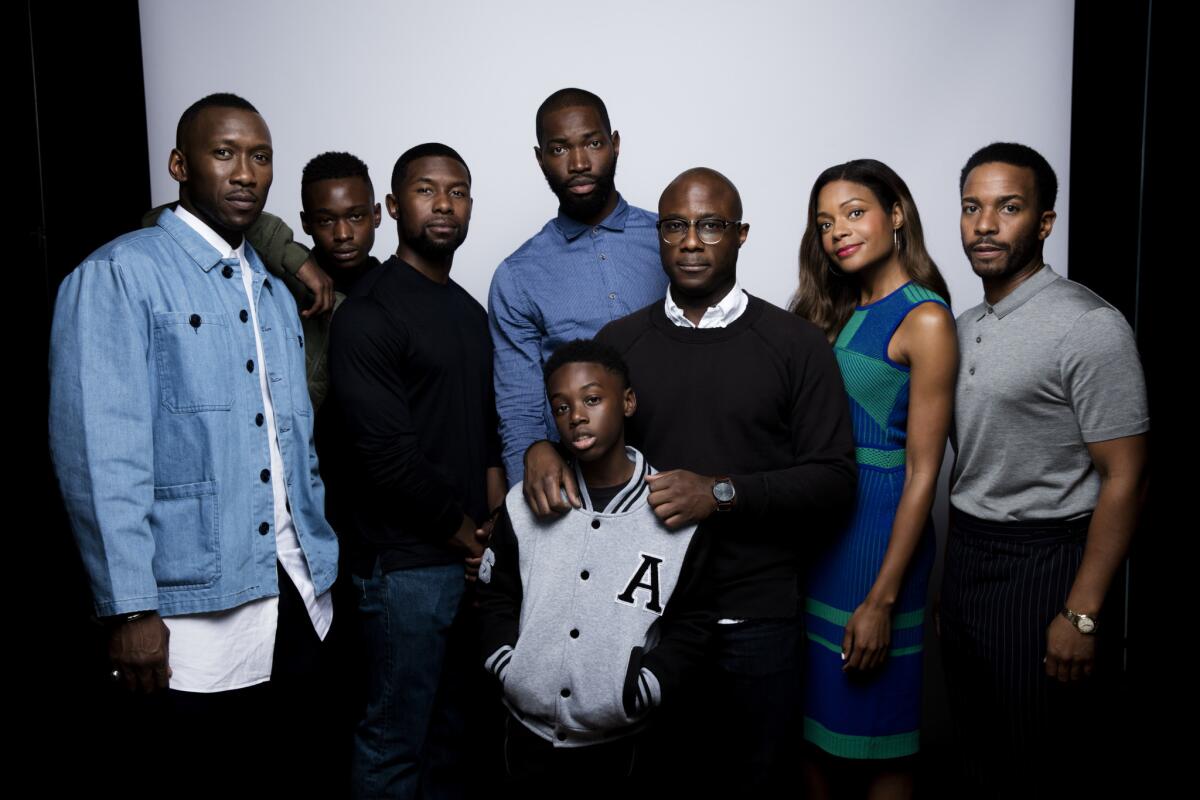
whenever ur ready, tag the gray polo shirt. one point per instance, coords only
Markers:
(1042, 373)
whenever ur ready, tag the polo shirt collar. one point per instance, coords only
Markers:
(1019, 296)
(571, 229)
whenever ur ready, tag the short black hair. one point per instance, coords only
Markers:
(587, 351)
(423, 151)
(570, 98)
(328, 166)
(1045, 182)
(217, 100)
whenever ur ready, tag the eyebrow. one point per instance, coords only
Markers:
(852, 200)
(235, 143)
(424, 179)
(351, 210)
(588, 135)
(1003, 199)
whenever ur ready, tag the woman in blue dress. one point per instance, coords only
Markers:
(868, 282)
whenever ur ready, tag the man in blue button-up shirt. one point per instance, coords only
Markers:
(181, 430)
(595, 262)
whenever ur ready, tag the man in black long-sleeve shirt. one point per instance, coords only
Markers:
(414, 422)
(743, 405)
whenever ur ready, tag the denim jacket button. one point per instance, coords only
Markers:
(265, 475)
(263, 528)
(227, 271)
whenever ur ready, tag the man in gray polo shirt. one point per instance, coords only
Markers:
(1050, 439)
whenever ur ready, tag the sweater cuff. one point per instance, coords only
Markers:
(751, 494)
(497, 662)
(649, 692)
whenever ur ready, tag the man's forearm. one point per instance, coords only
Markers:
(1109, 533)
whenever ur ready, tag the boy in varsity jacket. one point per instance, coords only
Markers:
(592, 618)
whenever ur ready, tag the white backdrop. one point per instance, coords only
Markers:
(769, 93)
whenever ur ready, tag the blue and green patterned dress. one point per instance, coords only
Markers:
(876, 714)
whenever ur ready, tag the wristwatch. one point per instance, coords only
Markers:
(724, 493)
(1082, 622)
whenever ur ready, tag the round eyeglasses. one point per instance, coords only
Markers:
(710, 230)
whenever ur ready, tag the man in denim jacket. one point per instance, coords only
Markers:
(181, 430)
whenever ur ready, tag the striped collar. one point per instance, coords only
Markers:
(628, 497)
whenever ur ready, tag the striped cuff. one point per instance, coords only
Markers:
(497, 662)
(649, 693)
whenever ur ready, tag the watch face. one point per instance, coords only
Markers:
(723, 491)
(1085, 625)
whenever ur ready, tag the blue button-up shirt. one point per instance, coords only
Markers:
(565, 283)
(156, 425)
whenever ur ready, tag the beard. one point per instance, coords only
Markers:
(436, 249)
(1017, 256)
(589, 205)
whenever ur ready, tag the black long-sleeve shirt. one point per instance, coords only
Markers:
(412, 418)
(762, 402)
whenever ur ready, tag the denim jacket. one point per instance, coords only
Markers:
(156, 425)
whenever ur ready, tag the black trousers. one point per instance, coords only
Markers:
(262, 741)
(1020, 732)
(538, 769)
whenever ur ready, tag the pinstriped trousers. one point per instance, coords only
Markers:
(1003, 584)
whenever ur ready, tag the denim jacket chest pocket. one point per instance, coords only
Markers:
(193, 353)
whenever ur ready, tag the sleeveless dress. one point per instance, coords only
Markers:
(877, 714)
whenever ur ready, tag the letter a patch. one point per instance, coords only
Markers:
(646, 577)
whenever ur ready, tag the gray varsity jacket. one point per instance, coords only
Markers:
(591, 618)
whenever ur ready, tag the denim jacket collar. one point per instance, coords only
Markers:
(201, 252)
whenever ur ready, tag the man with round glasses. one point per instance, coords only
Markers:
(742, 404)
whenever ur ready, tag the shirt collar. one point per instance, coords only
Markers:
(629, 494)
(1018, 296)
(720, 315)
(179, 221)
(572, 228)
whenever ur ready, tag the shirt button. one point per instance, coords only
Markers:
(603, 257)
(583, 576)
(612, 295)
(250, 365)
(596, 229)
(595, 523)
(265, 475)
(990, 311)
(574, 633)
(243, 315)
(565, 693)
(263, 528)
(971, 370)
(978, 339)
(258, 420)
(227, 271)
(194, 320)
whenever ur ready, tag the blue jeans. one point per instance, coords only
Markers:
(410, 739)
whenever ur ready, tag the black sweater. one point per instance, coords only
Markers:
(411, 430)
(762, 402)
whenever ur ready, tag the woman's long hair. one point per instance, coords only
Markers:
(827, 296)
